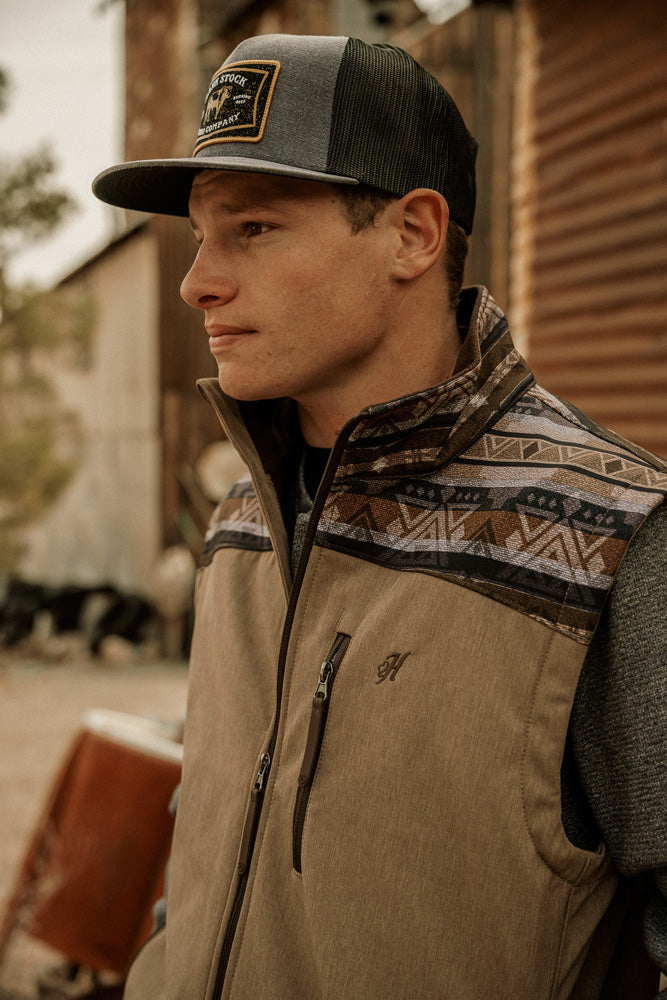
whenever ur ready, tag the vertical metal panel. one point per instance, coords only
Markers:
(594, 301)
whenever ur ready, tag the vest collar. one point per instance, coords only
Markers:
(414, 434)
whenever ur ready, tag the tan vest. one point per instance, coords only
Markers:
(404, 840)
(433, 860)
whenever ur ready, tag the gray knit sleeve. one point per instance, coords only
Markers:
(619, 721)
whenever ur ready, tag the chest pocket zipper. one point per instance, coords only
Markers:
(316, 727)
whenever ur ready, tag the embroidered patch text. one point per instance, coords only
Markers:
(238, 102)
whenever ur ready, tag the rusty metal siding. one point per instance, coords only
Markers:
(596, 306)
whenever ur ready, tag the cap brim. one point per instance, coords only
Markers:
(163, 186)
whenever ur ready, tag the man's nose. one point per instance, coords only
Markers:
(208, 281)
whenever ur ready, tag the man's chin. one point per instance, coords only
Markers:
(246, 393)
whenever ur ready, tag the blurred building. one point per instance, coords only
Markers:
(568, 102)
(105, 527)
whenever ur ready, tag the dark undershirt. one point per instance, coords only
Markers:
(314, 464)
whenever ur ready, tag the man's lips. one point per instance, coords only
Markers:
(221, 335)
(216, 330)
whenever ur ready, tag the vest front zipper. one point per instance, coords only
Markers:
(318, 719)
(255, 807)
(247, 843)
(252, 814)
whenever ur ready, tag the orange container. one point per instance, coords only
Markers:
(97, 860)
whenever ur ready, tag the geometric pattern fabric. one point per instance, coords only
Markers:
(488, 481)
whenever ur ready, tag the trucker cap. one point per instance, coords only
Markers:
(321, 108)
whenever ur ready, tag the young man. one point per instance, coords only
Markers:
(425, 740)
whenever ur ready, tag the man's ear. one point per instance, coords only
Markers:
(421, 218)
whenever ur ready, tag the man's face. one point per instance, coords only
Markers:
(294, 303)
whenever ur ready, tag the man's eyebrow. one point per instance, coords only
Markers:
(241, 207)
(247, 206)
(238, 208)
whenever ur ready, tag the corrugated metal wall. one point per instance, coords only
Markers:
(593, 193)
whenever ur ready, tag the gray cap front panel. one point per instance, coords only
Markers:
(298, 122)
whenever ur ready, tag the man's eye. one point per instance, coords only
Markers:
(256, 228)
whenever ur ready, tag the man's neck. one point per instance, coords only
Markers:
(413, 368)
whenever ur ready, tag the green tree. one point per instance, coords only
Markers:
(38, 437)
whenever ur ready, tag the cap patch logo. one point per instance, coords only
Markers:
(238, 102)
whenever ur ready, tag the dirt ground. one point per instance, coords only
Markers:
(41, 706)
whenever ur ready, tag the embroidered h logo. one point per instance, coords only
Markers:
(392, 664)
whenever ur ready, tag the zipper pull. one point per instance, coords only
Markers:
(322, 689)
(316, 727)
(318, 717)
(252, 814)
(264, 765)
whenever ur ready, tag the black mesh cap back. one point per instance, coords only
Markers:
(395, 127)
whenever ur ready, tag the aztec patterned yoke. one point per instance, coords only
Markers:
(488, 481)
